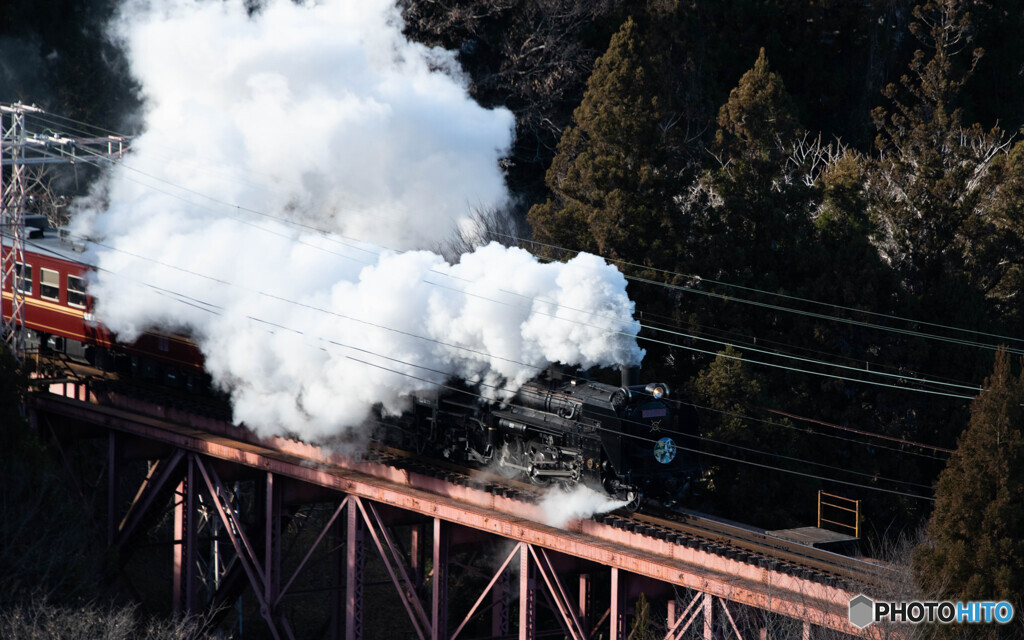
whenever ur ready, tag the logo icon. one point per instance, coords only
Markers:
(862, 611)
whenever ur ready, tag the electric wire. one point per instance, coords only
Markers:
(833, 436)
(210, 307)
(424, 338)
(706, 453)
(281, 298)
(699, 278)
(817, 362)
(851, 429)
(206, 304)
(740, 339)
(678, 334)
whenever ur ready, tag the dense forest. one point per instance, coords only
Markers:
(786, 183)
(819, 205)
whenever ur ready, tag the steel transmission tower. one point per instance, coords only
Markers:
(18, 149)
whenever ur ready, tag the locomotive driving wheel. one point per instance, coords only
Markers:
(512, 460)
(634, 498)
(537, 456)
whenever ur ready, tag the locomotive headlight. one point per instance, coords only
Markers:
(657, 389)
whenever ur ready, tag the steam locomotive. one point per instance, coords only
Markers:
(622, 440)
(626, 441)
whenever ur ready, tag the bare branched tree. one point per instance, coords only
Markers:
(42, 198)
(501, 225)
(41, 620)
(531, 56)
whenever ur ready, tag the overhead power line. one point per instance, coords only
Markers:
(698, 278)
(865, 433)
(216, 309)
(870, 373)
(333, 238)
(86, 128)
(817, 362)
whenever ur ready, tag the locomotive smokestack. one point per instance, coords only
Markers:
(630, 375)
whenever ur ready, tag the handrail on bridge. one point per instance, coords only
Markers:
(842, 504)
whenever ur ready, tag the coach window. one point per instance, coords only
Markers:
(49, 285)
(76, 292)
(26, 271)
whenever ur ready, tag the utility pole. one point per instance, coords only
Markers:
(17, 150)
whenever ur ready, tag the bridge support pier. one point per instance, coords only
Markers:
(585, 603)
(501, 604)
(527, 596)
(184, 589)
(439, 610)
(198, 487)
(703, 604)
(354, 558)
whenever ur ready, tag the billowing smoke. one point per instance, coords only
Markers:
(322, 112)
(271, 142)
(561, 506)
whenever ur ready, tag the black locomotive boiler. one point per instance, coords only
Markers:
(628, 441)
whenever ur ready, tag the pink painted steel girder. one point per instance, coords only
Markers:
(243, 548)
(353, 576)
(527, 596)
(587, 539)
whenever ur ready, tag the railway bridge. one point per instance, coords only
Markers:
(296, 541)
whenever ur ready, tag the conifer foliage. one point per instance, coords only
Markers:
(758, 114)
(761, 212)
(936, 186)
(609, 177)
(975, 549)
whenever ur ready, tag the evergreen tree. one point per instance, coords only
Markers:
(760, 218)
(975, 547)
(610, 178)
(936, 188)
(643, 625)
(757, 117)
(942, 200)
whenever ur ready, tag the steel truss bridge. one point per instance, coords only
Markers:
(228, 522)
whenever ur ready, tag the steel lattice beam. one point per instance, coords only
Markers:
(627, 558)
(17, 150)
(12, 227)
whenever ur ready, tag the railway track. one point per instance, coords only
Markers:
(684, 528)
(687, 529)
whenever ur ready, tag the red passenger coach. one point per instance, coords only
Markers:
(59, 319)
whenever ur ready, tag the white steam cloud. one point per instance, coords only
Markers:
(561, 506)
(325, 116)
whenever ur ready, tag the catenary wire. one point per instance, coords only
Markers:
(680, 334)
(662, 271)
(205, 306)
(224, 282)
(789, 297)
(425, 338)
(829, 364)
(646, 338)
